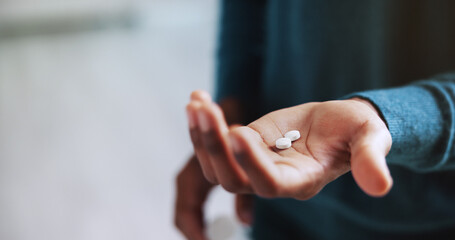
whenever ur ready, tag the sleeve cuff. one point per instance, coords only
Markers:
(413, 117)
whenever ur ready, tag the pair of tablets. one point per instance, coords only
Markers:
(286, 141)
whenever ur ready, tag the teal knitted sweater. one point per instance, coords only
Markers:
(278, 53)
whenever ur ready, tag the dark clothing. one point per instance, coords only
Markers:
(278, 53)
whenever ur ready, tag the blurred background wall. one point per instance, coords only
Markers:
(92, 121)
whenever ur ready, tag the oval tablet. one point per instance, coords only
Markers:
(293, 135)
(283, 143)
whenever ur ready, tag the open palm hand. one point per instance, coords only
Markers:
(336, 137)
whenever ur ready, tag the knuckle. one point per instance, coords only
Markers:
(241, 157)
(209, 175)
(233, 185)
(212, 143)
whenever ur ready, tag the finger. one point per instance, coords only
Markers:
(192, 108)
(192, 191)
(251, 153)
(244, 207)
(190, 223)
(214, 137)
(368, 163)
(200, 95)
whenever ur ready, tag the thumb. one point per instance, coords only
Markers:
(368, 164)
(244, 207)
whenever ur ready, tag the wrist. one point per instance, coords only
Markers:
(371, 106)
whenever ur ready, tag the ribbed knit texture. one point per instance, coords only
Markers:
(420, 118)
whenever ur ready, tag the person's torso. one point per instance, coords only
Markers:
(322, 50)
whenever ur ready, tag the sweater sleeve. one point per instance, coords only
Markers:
(421, 119)
(240, 49)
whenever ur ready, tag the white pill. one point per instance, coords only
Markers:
(293, 135)
(283, 143)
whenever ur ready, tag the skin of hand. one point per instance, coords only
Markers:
(192, 186)
(336, 137)
(192, 192)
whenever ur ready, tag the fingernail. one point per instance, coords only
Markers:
(204, 121)
(191, 118)
(201, 95)
(204, 96)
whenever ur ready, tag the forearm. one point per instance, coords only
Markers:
(420, 118)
